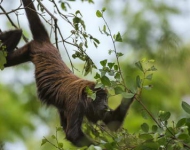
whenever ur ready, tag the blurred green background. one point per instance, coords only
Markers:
(152, 29)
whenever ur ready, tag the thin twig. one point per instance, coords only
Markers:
(150, 114)
(72, 66)
(54, 18)
(53, 144)
(55, 22)
(57, 28)
(12, 23)
(14, 10)
(115, 51)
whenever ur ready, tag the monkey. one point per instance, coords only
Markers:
(10, 39)
(57, 85)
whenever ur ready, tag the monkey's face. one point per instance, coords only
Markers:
(99, 106)
(101, 102)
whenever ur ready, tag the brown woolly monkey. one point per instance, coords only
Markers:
(57, 85)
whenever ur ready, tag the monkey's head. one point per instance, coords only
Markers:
(99, 106)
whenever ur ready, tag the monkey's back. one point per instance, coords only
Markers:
(55, 81)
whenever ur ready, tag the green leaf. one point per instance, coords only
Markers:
(127, 95)
(149, 77)
(97, 76)
(110, 51)
(53, 137)
(181, 122)
(86, 44)
(103, 62)
(105, 31)
(145, 136)
(116, 67)
(82, 23)
(91, 94)
(63, 6)
(183, 136)
(76, 21)
(91, 1)
(170, 132)
(99, 85)
(114, 84)
(143, 60)
(151, 60)
(88, 90)
(110, 65)
(43, 141)
(118, 90)
(144, 114)
(153, 68)
(96, 40)
(139, 65)
(188, 124)
(162, 141)
(138, 82)
(60, 145)
(95, 44)
(145, 127)
(104, 28)
(165, 116)
(186, 107)
(154, 128)
(149, 145)
(117, 76)
(91, 147)
(3, 60)
(105, 81)
(119, 54)
(118, 37)
(109, 146)
(78, 12)
(103, 9)
(59, 129)
(98, 14)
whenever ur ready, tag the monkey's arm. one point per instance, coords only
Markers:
(71, 123)
(37, 28)
(114, 118)
(19, 56)
(10, 39)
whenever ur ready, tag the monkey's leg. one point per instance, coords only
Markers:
(19, 56)
(10, 39)
(73, 130)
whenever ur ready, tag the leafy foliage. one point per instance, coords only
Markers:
(79, 32)
(90, 93)
(164, 135)
(161, 135)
